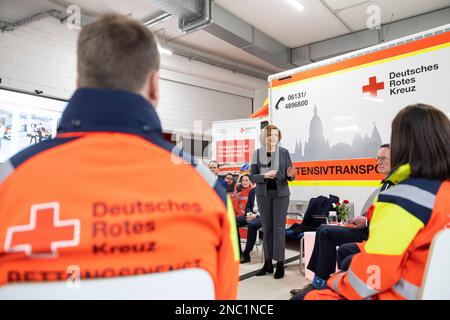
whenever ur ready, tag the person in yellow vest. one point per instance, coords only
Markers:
(405, 218)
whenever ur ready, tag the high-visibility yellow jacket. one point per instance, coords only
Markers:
(404, 221)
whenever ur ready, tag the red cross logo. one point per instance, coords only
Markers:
(373, 86)
(45, 233)
(242, 130)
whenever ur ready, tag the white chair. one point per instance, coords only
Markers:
(186, 284)
(436, 279)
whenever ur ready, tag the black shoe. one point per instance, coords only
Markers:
(301, 294)
(267, 268)
(245, 258)
(279, 273)
(306, 289)
(295, 291)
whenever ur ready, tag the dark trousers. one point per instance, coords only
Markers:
(252, 231)
(273, 210)
(323, 259)
(345, 255)
(290, 234)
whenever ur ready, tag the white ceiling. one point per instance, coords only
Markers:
(13, 10)
(139, 9)
(390, 9)
(279, 20)
(276, 18)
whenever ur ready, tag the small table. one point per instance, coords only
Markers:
(306, 249)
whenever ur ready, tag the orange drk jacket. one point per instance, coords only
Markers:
(239, 200)
(392, 261)
(109, 196)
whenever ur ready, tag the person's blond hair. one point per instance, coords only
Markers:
(267, 131)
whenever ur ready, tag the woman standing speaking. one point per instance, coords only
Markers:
(271, 169)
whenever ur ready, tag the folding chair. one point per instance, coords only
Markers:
(260, 235)
(259, 241)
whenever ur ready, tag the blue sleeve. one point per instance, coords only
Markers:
(250, 201)
(222, 182)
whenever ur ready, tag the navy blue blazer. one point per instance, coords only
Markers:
(250, 202)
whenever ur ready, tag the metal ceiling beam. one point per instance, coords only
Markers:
(211, 59)
(181, 8)
(239, 33)
(11, 26)
(208, 16)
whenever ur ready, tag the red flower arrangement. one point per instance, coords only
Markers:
(342, 210)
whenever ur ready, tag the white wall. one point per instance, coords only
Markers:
(192, 108)
(42, 56)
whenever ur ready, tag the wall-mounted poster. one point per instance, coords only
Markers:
(233, 142)
(26, 119)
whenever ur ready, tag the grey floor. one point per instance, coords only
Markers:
(266, 287)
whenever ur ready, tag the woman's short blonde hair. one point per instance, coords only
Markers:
(267, 131)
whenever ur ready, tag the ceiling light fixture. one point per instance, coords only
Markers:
(297, 5)
(164, 51)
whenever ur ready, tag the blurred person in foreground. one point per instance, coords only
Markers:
(107, 202)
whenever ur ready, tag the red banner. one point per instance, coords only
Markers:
(235, 151)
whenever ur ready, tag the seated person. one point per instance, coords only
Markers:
(240, 194)
(231, 184)
(323, 258)
(252, 220)
(214, 166)
(110, 153)
(345, 253)
(404, 219)
(229, 180)
(291, 234)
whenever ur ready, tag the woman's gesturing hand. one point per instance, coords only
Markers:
(290, 172)
(270, 174)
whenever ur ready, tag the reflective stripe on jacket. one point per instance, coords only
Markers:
(404, 222)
